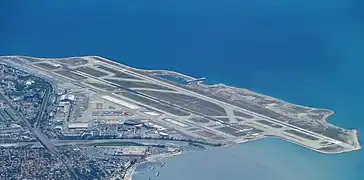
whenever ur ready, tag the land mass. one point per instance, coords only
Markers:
(91, 100)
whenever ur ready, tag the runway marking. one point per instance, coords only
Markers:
(121, 102)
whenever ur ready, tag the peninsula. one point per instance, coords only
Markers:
(90, 109)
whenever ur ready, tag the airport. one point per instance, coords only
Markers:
(96, 90)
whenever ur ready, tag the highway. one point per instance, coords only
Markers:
(146, 142)
(43, 106)
(39, 136)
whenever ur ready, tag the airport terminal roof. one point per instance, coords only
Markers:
(67, 97)
(77, 125)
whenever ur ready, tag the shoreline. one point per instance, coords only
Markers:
(312, 149)
(289, 141)
(325, 118)
(130, 172)
(328, 112)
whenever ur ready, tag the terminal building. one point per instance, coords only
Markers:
(133, 122)
(78, 126)
(67, 97)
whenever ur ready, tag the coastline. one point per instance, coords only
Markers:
(130, 172)
(154, 158)
(307, 52)
(235, 89)
(315, 150)
(290, 141)
(325, 118)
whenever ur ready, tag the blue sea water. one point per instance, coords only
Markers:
(308, 52)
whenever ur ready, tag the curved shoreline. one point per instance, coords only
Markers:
(152, 158)
(191, 77)
(324, 113)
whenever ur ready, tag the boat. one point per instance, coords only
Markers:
(163, 164)
(152, 168)
(157, 174)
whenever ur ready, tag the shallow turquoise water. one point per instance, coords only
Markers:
(173, 79)
(264, 159)
(307, 52)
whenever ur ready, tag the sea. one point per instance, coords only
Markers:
(308, 52)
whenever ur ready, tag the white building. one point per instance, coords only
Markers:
(78, 126)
